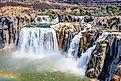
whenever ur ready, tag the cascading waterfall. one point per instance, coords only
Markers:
(73, 50)
(74, 45)
(43, 41)
(83, 61)
(38, 40)
(85, 56)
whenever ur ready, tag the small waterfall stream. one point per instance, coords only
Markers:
(85, 58)
(74, 45)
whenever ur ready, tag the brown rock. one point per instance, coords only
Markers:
(12, 21)
(65, 32)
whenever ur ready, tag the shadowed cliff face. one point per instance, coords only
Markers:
(104, 59)
(9, 30)
(67, 18)
(109, 22)
(12, 19)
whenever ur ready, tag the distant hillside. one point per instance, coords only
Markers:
(80, 1)
(94, 0)
(35, 5)
(45, 4)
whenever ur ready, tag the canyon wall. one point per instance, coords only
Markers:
(12, 19)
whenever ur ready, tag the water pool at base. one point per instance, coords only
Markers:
(16, 68)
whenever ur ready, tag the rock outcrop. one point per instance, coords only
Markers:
(105, 59)
(67, 18)
(117, 75)
(110, 22)
(12, 19)
(87, 40)
(65, 33)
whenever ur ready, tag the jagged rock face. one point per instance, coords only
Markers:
(67, 18)
(97, 61)
(105, 59)
(9, 31)
(87, 40)
(119, 70)
(65, 32)
(1, 39)
(11, 22)
(110, 22)
(117, 75)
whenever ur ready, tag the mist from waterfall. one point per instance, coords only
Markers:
(41, 44)
(39, 47)
(85, 56)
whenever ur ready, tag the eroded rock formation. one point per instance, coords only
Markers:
(110, 22)
(105, 59)
(65, 32)
(12, 19)
(87, 40)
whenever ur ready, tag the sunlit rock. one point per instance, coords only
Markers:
(65, 32)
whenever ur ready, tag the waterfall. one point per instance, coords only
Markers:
(43, 41)
(55, 21)
(85, 58)
(73, 50)
(74, 45)
(38, 40)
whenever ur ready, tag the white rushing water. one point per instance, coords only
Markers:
(74, 45)
(38, 41)
(85, 58)
(43, 42)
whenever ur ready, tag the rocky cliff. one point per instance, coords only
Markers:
(65, 32)
(12, 19)
(104, 64)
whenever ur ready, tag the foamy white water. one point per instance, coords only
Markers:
(38, 41)
(74, 45)
(39, 46)
(84, 60)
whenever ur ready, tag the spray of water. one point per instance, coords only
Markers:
(35, 63)
(38, 51)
